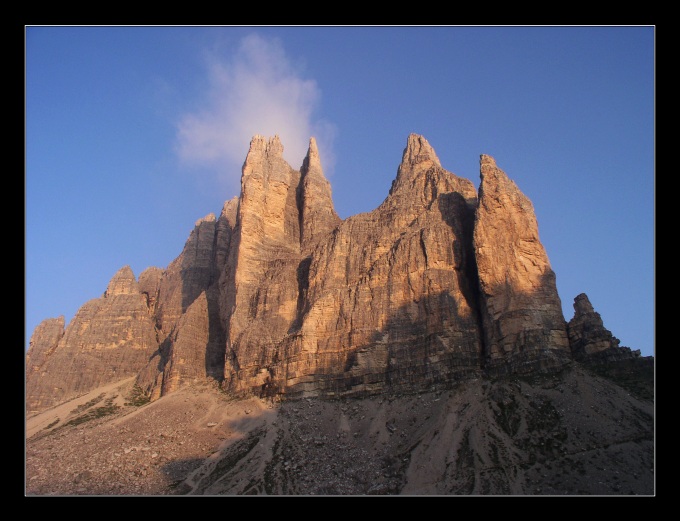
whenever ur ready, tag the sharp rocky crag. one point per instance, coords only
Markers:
(441, 289)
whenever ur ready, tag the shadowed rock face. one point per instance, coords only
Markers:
(188, 275)
(590, 341)
(186, 360)
(279, 296)
(587, 334)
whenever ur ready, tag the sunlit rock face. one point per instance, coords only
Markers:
(384, 300)
(44, 342)
(110, 338)
(387, 297)
(186, 308)
(278, 296)
(524, 328)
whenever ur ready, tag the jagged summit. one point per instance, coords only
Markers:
(582, 305)
(109, 338)
(486, 161)
(498, 186)
(264, 164)
(590, 341)
(279, 296)
(311, 163)
(437, 313)
(417, 160)
(261, 145)
(520, 304)
(122, 283)
(419, 150)
(492, 177)
(315, 200)
(208, 218)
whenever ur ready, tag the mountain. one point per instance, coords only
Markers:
(424, 342)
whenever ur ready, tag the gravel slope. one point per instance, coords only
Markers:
(574, 433)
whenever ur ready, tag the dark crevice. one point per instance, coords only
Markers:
(422, 246)
(303, 286)
(299, 202)
(468, 276)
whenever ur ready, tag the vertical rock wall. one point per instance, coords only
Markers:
(110, 338)
(524, 328)
(278, 295)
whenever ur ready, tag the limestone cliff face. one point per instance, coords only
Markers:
(110, 338)
(191, 277)
(279, 296)
(524, 328)
(315, 203)
(258, 285)
(166, 327)
(149, 286)
(188, 275)
(224, 230)
(44, 341)
(387, 298)
(188, 348)
(282, 215)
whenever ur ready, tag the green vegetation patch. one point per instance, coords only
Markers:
(137, 397)
(91, 403)
(107, 409)
(51, 424)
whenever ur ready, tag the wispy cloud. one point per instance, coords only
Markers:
(255, 91)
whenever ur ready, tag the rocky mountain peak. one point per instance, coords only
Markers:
(495, 180)
(311, 163)
(416, 311)
(122, 283)
(279, 296)
(44, 340)
(588, 338)
(422, 184)
(109, 338)
(264, 164)
(418, 158)
(582, 305)
(207, 219)
(486, 161)
(260, 145)
(522, 311)
(418, 150)
(315, 202)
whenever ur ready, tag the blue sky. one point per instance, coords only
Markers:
(134, 133)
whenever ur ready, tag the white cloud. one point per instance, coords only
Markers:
(256, 91)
